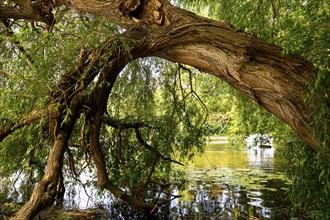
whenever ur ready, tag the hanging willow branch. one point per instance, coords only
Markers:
(152, 149)
(23, 120)
(192, 92)
(71, 162)
(121, 157)
(10, 33)
(136, 125)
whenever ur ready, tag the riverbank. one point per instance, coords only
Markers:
(8, 210)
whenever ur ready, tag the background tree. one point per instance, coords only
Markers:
(73, 113)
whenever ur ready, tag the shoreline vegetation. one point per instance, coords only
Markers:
(54, 213)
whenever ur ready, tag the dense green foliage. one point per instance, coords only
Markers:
(26, 76)
(155, 93)
(300, 27)
(31, 62)
(162, 96)
(178, 105)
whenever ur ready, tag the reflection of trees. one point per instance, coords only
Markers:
(211, 200)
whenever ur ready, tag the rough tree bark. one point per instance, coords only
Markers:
(257, 69)
(44, 193)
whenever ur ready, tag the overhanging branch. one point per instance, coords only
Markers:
(136, 125)
(122, 125)
(28, 10)
(152, 149)
(26, 119)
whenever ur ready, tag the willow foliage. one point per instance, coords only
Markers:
(300, 27)
(175, 106)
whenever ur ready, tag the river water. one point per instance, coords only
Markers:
(222, 183)
(233, 183)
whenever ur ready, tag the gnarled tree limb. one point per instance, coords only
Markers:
(25, 119)
(28, 10)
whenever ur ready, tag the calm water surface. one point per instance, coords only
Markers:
(231, 183)
(222, 183)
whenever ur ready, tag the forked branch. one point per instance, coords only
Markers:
(152, 149)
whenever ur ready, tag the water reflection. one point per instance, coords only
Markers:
(222, 183)
(232, 183)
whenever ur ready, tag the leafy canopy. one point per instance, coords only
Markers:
(177, 104)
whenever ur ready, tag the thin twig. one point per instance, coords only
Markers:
(17, 43)
(152, 149)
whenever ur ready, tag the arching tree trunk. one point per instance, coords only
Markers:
(46, 190)
(257, 69)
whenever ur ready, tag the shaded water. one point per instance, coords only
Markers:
(229, 183)
(222, 183)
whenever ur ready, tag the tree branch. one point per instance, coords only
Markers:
(152, 169)
(22, 121)
(17, 43)
(122, 125)
(255, 68)
(118, 125)
(28, 11)
(125, 13)
(82, 74)
(152, 149)
(98, 99)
